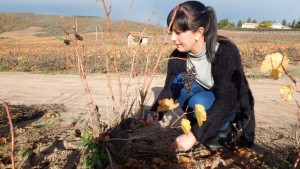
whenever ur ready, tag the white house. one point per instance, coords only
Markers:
(136, 38)
(250, 25)
(279, 26)
(276, 26)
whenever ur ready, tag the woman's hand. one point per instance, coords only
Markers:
(184, 142)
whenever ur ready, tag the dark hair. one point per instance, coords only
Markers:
(191, 15)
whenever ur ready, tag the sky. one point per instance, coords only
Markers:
(142, 10)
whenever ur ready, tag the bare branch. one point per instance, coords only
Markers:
(12, 132)
(133, 138)
(298, 123)
(124, 20)
(110, 159)
(290, 76)
(110, 6)
(114, 54)
(297, 161)
(160, 54)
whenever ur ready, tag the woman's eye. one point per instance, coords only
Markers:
(177, 32)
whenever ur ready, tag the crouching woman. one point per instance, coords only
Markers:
(209, 72)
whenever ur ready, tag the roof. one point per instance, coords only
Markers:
(138, 34)
(277, 24)
(250, 23)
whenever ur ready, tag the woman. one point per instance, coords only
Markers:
(209, 73)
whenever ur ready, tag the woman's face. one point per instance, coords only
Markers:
(186, 41)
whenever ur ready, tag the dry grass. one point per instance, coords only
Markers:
(49, 54)
(49, 23)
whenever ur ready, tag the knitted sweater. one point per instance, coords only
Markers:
(231, 90)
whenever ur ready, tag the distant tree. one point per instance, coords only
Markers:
(232, 24)
(265, 24)
(293, 23)
(249, 20)
(284, 22)
(225, 24)
(254, 21)
(239, 24)
(298, 24)
(222, 23)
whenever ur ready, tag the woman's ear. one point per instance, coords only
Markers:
(200, 31)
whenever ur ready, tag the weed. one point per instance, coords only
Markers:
(94, 156)
(24, 152)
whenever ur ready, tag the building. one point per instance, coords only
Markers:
(279, 26)
(250, 25)
(276, 26)
(136, 38)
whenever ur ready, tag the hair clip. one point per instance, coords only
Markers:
(203, 11)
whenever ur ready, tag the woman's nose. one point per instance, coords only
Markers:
(173, 36)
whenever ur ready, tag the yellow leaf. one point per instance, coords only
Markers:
(200, 114)
(186, 126)
(183, 159)
(286, 92)
(166, 104)
(275, 74)
(274, 63)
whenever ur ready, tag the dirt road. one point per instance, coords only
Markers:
(25, 88)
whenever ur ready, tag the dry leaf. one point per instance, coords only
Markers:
(51, 115)
(185, 125)
(131, 163)
(183, 159)
(286, 92)
(187, 165)
(158, 161)
(200, 114)
(133, 160)
(244, 153)
(3, 140)
(166, 104)
(274, 63)
(106, 138)
(275, 74)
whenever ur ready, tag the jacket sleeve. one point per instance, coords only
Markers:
(175, 66)
(227, 73)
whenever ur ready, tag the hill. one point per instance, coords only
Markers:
(50, 24)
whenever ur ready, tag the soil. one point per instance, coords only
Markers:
(23, 34)
(50, 116)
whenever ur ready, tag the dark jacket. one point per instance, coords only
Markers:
(231, 90)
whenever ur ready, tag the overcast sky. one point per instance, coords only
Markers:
(234, 10)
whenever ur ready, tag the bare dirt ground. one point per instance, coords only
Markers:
(23, 34)
(49, 138)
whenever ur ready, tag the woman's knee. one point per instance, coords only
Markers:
(204, 98)
(177, 79)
